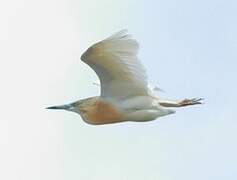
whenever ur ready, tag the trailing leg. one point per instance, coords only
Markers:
(182, 103)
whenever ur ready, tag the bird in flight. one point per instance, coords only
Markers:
(125, 94)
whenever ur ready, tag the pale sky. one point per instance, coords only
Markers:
(189, 50)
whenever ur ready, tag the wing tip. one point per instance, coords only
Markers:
(119, 35)
(122, 34)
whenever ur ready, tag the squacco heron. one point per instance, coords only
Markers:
(125, 94)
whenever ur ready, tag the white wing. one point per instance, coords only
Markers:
(115, 61)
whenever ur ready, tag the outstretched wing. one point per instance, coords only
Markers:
(115, 61)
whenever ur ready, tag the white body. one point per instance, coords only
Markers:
(137, 109)
(142, 108)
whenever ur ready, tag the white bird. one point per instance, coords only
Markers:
(125, 94)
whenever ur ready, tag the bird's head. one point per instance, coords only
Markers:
(80, 107)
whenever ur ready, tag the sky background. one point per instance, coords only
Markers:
(189, 50)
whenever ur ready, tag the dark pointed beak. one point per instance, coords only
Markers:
(63, 107)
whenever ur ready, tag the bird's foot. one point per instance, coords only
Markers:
(189, 102)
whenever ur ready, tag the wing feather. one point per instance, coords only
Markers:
(115, 61)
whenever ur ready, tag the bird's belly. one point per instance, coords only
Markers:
(103, 113)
